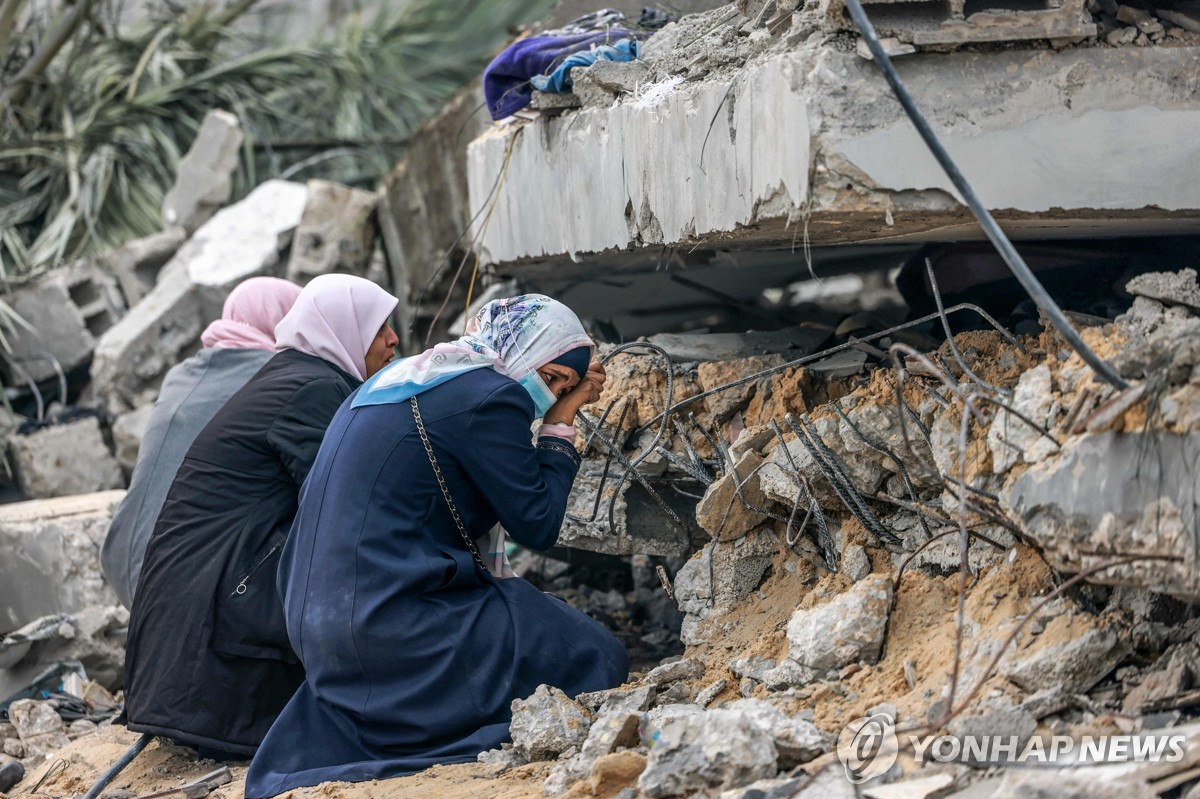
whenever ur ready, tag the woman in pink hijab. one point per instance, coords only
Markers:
(208, 662)
(235, 347)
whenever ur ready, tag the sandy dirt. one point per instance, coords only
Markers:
(75, 768)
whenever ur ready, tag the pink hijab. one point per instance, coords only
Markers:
(336, 317)
(250, 314)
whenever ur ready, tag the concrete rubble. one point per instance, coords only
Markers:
(793, 627)
(67, 311)
(659, 142)
(336, 232)
(63, 459)
(205, 179)
(240, 241)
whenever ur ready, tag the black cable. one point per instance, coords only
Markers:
(119, 766)
(1016, 264)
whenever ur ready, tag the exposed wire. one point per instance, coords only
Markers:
(1021, 271)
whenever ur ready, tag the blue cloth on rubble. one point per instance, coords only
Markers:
(560, 79)
(506, 81)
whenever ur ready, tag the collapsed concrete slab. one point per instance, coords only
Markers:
(336, 232)
(67, 311)
(52, 556)
(205, 179)
(1139, 497)
(840, 153)
(64, 459)
(241, 241)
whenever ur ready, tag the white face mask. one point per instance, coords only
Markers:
(543, 398)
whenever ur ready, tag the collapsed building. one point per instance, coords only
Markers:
(843, 466)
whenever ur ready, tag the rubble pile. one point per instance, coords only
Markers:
(103, 332)
(826, 579)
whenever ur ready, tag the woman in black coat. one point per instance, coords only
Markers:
(208, 661)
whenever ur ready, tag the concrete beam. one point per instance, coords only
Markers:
(1085, 141)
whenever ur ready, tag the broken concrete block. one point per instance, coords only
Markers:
(335, 234)
(603, 81)
(1172, 288)
(727, 510)
(64, 459)
(52, 562)
(796, 740)
(721, 574)
(547, 723)
(719, 749)
(39, 726)
(127, 434)
(1104, 494)
(845, 630)
(855, 563)
(1164, 683)
(1120, 37)
(67, 311)
(136, 263)
(205, 178)
(1011, 439)
(891, 45)
(683, 669)
(1008, 722)
(1076, 664)
(241, 241)
(787, 674)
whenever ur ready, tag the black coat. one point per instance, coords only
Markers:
(208, 661)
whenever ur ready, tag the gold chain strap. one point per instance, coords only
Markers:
(437, 472)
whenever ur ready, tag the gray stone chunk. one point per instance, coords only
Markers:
(205, 178)
(1102, 494)
(777, 677)
(684, 669)
(855, 563)
(1046, 702)
(1004, 723)
(39, 726)
(796, 740)
(136, 263)
(719, 749)
(1173, 288)
(241, 241)
(335, 234)
(64, 459)
(547, 724)
(67, 310)
(845, 630)
(1076, 665)
(1011, 439)
(725, 512)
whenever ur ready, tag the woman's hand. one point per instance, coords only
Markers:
(587, 391)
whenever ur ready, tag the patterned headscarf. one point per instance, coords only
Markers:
(515, 336)
(250, 314)
(336, 317)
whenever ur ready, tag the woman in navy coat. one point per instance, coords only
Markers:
(413, 651)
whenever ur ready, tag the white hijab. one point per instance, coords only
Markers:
(336, 317)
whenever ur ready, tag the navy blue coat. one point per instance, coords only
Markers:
(412, 653)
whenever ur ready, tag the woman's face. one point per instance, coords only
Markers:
(380, 352)
(561, 379)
